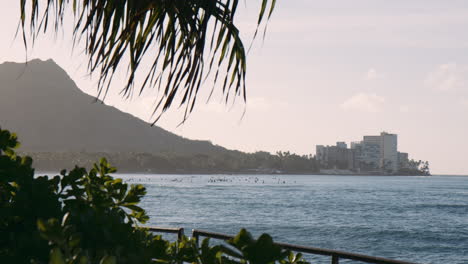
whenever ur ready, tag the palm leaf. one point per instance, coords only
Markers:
(179, 36)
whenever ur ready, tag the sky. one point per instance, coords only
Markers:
(326, 71)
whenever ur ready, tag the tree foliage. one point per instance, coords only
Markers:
(225, 162)
(415, 167)
(83, 217)
(185, 40)
(78, 217)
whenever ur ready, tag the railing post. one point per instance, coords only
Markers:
(195, 235)
(180, 234)
(335, 259)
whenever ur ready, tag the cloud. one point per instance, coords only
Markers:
(364, 102)
(372, 74)
(447, 77)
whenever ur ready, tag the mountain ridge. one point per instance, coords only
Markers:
(41, 103)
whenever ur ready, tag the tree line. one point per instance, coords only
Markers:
(260, 162)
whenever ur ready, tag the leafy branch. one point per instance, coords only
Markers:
(184, 39)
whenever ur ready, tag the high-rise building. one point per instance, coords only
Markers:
(370, 157)
(341, 145)
(372, 139)
(321, 155)
(388, 152)
(374, 154)
(335, 157)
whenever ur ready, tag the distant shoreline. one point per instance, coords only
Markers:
(196, 164)
(250, 174)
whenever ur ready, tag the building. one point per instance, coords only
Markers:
(376, 154)
(371, 152)
(321, 155)
(335, 157)
(341, 145)
(366, 155)
(380, 152)
(403, 160)
(388, 152)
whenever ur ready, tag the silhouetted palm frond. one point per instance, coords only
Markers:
(191, 37)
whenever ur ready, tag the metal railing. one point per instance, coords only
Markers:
(334, 254)
(178, 231)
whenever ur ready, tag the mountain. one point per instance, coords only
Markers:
(43, 105)
(59, 126)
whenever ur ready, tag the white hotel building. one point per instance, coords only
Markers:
(373, 153)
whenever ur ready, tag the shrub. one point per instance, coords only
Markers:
(89, 217)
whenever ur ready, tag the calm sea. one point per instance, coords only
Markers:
(420, 219)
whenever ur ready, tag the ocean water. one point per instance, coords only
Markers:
(419, 219)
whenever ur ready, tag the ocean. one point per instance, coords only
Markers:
(419, 219)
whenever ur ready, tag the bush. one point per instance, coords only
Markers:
(89, 217)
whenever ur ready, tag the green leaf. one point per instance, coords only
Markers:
(56, 256)
(41, 225)
(243, 238)
(108, 260)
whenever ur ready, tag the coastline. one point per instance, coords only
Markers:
(225, 173)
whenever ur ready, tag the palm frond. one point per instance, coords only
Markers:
(186, 40)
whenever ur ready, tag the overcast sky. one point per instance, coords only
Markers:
(327, 71)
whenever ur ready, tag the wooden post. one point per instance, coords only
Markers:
(335, 259)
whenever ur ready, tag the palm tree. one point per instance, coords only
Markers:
(183, 39)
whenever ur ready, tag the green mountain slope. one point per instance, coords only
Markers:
(50, 114)
(60, 126)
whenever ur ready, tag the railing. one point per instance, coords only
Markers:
(178, 231)
(334, 254)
